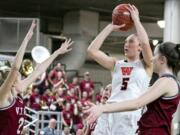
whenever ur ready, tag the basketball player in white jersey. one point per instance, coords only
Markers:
(129, 77)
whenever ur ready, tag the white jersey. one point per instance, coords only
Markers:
(130, 80)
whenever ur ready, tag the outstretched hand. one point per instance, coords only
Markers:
(93, 112)
(65, 47)
(134, 12)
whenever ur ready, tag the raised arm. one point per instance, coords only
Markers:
(160, 88)
(94, 48)
(7, 85)
(40, 68)
(142, 36)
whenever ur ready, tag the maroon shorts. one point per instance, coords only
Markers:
(153, 131)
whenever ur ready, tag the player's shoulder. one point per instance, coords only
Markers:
(8, 104)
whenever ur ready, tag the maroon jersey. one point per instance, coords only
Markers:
(158, 117)
(12, 118)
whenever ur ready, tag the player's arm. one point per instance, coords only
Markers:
(94, 48)
(143, 38)
(40, 68)
(7, 85)
(161, 87)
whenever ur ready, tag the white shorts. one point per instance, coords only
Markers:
(118, 123)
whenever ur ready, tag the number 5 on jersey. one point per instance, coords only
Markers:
(124, 83)
(126, 71)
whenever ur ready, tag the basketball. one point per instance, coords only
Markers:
(121, 15)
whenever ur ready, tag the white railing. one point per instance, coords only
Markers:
(36, 120)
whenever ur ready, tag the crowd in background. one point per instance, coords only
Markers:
(52, 92)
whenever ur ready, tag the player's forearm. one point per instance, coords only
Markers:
(98, 41)
(20, 53)
(120, 107)
(19, 56)
(141, 32)
(44, 65)
(144, 42)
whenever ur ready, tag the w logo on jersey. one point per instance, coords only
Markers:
(126, 70)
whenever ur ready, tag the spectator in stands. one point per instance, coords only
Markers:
(51, 129)
(60, 93)
(66, 131)
(55, 75)
(84, 99)
(67, 115)
(35, 100)
(57, 106)
(75, 84)
(93, 128)
(99, 95)
(77, 119)
(58, 85)
(42, 83)
(47, 99)
(71, 96)
(87, 84)
(50, 95)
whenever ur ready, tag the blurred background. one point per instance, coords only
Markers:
(75, 77)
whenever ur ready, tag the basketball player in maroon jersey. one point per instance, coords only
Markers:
(11, 105)
(162, 98)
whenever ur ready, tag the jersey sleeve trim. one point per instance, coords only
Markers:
(9, 106)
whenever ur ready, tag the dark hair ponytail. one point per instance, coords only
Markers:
(172, 52)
